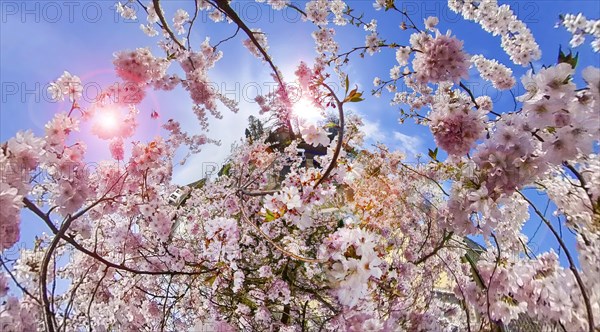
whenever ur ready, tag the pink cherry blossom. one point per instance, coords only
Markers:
(315, 136)
(440, 58)
(139, 66)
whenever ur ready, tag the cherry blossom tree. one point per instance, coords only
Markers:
(362, 241)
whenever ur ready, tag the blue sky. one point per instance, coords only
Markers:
(41, 39)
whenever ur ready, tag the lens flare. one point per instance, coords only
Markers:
(304, 109)
(106, 122)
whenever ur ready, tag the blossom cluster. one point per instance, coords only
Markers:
(196, 66)
(580, 26)
(440, 58)
(517, 40)
(140, 66)
(454, 124)
(317, 11)
(490, 70)
(353, 256)
(261, 38)
(67, 84)
(315, 136)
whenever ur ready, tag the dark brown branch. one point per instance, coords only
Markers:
(338, 147)
(164, 23)
(48, 314)
(223, 5)
(258, 193)
(94, 255)
(435, 250)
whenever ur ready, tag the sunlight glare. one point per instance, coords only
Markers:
(305, 110)
(106, 122)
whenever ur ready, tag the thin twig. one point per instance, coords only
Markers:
(162, 19)
(164, 319)
(258, 193)
(99, 258)
(192, 24)
(226, 8)
(579, 177)
(266, 237)
(426, 176)
(463, 301)
(290, 5)
(403, 12)
(23, 289)
(89, 308)
(72, 299)
(572, 266)
(468, 91)
(228, 38)
(435, 250)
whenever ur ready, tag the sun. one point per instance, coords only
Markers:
(106, 122)
(107, 119)
(304, 109)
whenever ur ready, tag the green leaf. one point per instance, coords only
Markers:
(211, 279)
(347, 83)
(433, 153)
(350, 95)
(225, 170)
(567, 58)
(269, 216)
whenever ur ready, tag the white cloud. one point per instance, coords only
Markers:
(372, 131)
(411, 145)
(228, 130)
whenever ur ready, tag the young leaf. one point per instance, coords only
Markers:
(347, 83)
(433, 154)
(567, 58)
(269, 216)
